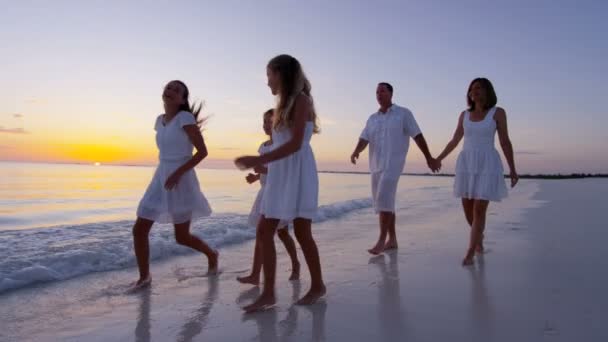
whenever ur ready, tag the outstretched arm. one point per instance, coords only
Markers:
(424, 148)
(458, 134)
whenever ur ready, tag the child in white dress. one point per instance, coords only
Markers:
(254, 216)
(479, 175)
(292, 187)
(174, 194)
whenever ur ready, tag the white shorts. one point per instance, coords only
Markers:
(384, 190)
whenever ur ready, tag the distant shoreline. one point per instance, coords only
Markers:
(425, 174)
(526, 176)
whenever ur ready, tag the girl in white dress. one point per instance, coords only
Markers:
(479, 173)
(174, 194)
(292, 185)
(254, 216)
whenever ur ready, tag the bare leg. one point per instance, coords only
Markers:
(266, 231)
(385, 222)
(392, 235)
(141, 230)
(311, 254)
(290, 246)
(467, 206)
(479, 221)
(254, 277)
(184, 238)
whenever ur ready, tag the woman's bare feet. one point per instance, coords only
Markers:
(250, 279)
(468, 258)
(377, 249)
(141, 283)
(295, 272)
(312, 296)
(391, 245)
(264, 302)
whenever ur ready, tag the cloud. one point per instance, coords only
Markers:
(17, 115)
(226, 148)
(35, 100)
(13, 130)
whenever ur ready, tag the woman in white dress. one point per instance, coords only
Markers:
(479, 172)
(292, 185)
(174, 194)
(254, 216)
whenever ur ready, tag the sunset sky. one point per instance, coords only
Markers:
(81, 81)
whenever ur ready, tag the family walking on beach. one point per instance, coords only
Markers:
(287, 172)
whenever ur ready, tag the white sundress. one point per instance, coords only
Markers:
(185, 202)
(292, 184)
(479, 170)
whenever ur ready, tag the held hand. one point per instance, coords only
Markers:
(247, 162)
(514, 178)
(251, 178)
(173, 180)
(258, 169)
(434, 164)
(354, 157)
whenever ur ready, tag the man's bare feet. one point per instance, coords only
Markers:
(468, 258)
(250, 279)
(377, 249)
(264, 302)
(312, 296)
(295, 272)
(391, 245)
(213, 261)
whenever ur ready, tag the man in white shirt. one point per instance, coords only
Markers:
(388, 133)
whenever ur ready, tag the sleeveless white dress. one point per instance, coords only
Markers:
(185, 202)
(292, 185)
(479, 170)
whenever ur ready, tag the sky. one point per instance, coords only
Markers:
(81, 81)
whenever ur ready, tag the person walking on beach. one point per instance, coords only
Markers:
(254, 216)
(174, 194)
(479, 171)
(388, 133)
(292, 185)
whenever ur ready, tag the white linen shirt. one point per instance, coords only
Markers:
(389, 135)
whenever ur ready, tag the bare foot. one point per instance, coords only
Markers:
(391, 245)
(140, 284)
(468, 259)
(213, 261)
(250, 279)
(312, 296)
(295, 272)
(264, 302)
(377, 249)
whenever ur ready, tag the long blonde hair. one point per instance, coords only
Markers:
(293, 82)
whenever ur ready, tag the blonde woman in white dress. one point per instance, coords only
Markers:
(292, 185)
(479, 176)
(174, 194)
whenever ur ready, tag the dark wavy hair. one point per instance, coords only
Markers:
(491, 98)
(195, 108)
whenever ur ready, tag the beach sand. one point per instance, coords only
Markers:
(543, 278)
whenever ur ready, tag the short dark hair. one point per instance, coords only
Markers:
(490, 93)
(387, 85)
